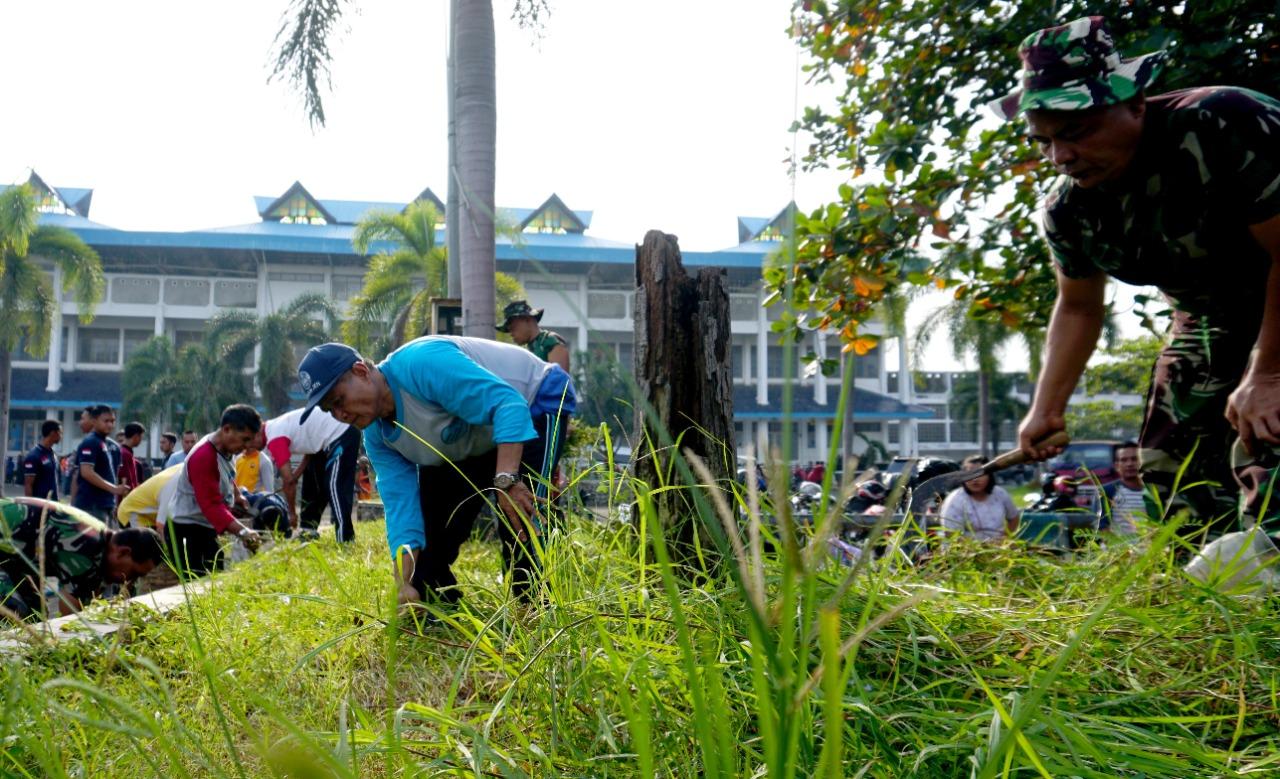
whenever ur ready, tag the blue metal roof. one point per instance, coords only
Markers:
(868, 406)
(749, 226)
(335, 238)
(348, 212)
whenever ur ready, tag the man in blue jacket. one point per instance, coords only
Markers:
(450, 422)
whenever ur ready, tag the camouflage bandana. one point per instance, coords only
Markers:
(1075, 67)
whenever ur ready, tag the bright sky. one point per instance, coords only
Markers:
(664, 113)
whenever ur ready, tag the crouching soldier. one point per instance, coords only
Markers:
(450, 422)
(76, 548)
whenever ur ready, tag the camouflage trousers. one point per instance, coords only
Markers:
(1185, 423)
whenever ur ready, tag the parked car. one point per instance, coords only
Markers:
(1086, 460)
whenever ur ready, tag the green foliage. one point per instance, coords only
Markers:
(912, 78)
(1127, 368)
(190, 386)
(28, 300)
(394, 305)
(293, 664)
(1002, 406)
(605, 388)
(302, 323)
(1103, 419)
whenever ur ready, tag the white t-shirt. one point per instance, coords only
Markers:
(1124, 505)
(286, 436)
(982, 519)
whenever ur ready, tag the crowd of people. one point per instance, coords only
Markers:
(985, 511)
(441, 419)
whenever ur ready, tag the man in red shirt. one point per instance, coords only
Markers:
(206, 493)
(129, 475)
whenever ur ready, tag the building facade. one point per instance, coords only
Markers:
(172, 283)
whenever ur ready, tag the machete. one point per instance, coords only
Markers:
(939, 485)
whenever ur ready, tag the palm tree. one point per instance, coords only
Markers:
(966, 402)
(28, 300)
(302, 322)
(190, 386)
(983, 338)
(395, 304)
(400, 282)
(304, 57)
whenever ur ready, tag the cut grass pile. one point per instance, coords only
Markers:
(984, 662)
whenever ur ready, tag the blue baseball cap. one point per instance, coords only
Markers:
(321, 368)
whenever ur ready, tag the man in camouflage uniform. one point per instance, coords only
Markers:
(521, 321)
(79, 550)
(1180, 191)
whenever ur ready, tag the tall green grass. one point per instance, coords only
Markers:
(984, 662)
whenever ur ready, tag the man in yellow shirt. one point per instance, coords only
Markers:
(141, 507)
(254, 472)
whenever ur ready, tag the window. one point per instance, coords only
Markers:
(867, 428)
(186, 292)
(183, 337)
(964, 430)
(98, 347)
(627, 357)
(299, 210)
(132, 289)
(305, 278)
(235, 294)
(867, 366)
(931, 432)
(553, 219)
(931, 382)
(20, 352)
(743, 308)
(347, 287)
(606, 305)
(895, 435)
(48, 202)
(133, 339)
(891, 383)
(772, 233)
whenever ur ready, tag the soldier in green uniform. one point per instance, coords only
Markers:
(1180, 191)
(521, 321)
(79, 550)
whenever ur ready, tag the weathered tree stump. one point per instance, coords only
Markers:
(682, 367)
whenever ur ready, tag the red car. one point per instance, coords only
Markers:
(1086, 460)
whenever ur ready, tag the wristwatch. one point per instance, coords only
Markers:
(505, 481)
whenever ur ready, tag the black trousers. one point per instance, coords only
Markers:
(192, 550)
(330, 480)
(451, 496)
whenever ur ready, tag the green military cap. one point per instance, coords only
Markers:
(515, 309)
(1075, 67)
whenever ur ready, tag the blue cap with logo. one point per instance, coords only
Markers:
(321, 368)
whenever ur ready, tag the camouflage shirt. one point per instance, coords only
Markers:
(544, 342)
(1207, 167)
(75, 547)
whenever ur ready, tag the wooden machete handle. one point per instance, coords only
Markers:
(1017, 457)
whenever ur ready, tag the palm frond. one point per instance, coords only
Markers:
(18, 218)
(80, 265)
(303, 56)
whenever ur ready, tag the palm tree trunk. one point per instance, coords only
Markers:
(477, 118)
(984, 412)
(6, 385)
(849, 365)
(454, 276)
